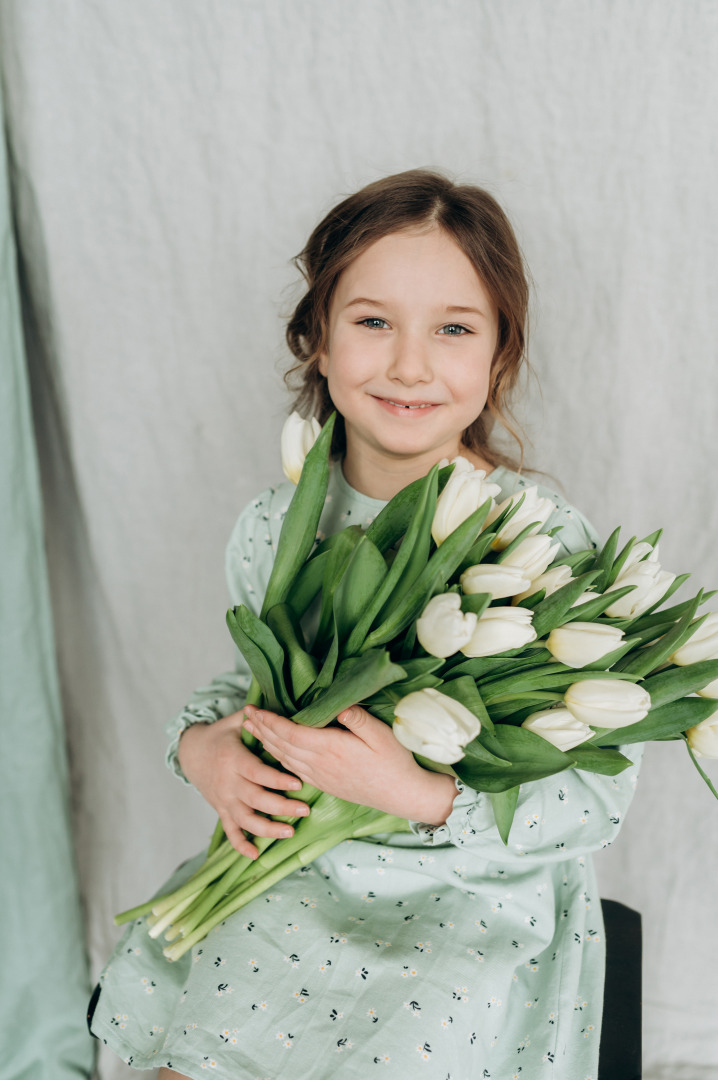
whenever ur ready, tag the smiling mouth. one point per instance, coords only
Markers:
(407, 405)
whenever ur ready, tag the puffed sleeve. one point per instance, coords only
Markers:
(248, 562)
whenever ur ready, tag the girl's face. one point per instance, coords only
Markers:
(412, 333)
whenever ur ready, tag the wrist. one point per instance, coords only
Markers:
(436, 799)
(185, 746)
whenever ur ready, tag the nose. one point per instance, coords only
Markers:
(410, 361)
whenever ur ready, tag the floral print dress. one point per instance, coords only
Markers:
(439, 953)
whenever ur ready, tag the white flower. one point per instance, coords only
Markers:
(442, 627)
(607, 703)
(580, 643)
(559, 727)
(703, 738)
(465, 491)
(298, 437)
(497, 579)
(533, 508)
(701, 645)
(434, 725)
(650, 584)
(533, 555)
(586, 595)
(709, 691)
(638, 553)
(551, 580)
(499, 629)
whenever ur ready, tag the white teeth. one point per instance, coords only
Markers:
(399, 405)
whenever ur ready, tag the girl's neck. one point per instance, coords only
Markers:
(381, 478)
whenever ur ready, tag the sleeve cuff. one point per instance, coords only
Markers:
(469, 805)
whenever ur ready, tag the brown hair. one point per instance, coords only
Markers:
(419, 197)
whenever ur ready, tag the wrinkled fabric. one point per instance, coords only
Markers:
(44, 982)
(167, 160)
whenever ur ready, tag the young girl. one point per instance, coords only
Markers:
(441, 952)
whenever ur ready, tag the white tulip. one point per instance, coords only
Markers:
(701, 645)
(703, 738)
(650, 584)
(533, 555)
(588, 594)
(499, 629)
(443, 628)
(559, 727)
(580, 643)
(709, 691)
(607, 703)
(494, 578)
(434, 725)
(533, 508)
(638, 553)
(552, 580)
(465, 491)
(298, 437)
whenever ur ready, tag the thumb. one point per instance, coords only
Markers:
(360, 722)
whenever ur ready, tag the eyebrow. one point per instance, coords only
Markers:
(451, 309)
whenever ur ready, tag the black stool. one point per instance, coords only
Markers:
(620, 1051)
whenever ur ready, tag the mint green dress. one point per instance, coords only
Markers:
(438, 953)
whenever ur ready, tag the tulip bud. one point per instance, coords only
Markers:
(701, 645)
(533, 508)
(434, 725)
(442, 627)
(703, 738)
(559, 727)
(586, 595)
(494, 578)
(551, 581)
(499, 629)
(638, 553)
(466, 490)
(607, 703)
(709, 691)
(650, 584)
(298, 437)
(580, 643)
(532, 555)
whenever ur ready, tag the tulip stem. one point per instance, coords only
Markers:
(700, 770)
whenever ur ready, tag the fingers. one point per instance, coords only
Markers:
(268, 777)
(365, 726)
(269, 725)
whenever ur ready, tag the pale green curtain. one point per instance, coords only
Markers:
(44, 982)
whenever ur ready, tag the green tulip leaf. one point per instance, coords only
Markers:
(590, 758)
(503, 803)
(606, 559)
(528, 702)
(666, 720)
(486, 668)
(475, 602)
(677, 682)
(336, 565)
(644, 660)
(355, 680)
(578, 563)
(673, 587)
(263, 654)
(299, 528)
(303, 669)
(436, 573)
(531, 758)
(670, 615)
(555, 677)
(361, 581)
(476, 553)
(392, 523)
(552, 611)
(307, 584)
(591, 609)
(620, 561)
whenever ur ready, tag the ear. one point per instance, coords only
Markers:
(323, 363)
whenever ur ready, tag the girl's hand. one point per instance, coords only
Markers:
(234, 781)
(364, 764)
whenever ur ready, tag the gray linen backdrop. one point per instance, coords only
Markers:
(167, 160)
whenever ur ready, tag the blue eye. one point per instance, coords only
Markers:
(374, 323)
(454, 330)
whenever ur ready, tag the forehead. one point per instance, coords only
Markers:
(426, 263)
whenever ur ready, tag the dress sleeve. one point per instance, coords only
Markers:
(248, 563)
(560, 817)
(565, 815)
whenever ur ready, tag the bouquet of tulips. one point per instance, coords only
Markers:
(456, 621)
